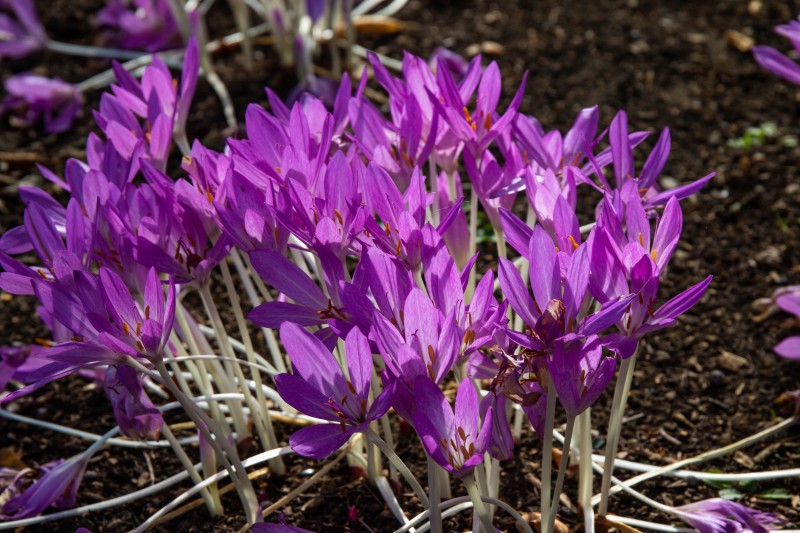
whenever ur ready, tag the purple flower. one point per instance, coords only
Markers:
(718, 515)
(24, 35)
(32, 98)
(140, 24)
(455, 441)
(320, 389)
(136, 415)
(554, 310)
(776, 62)
(425, 343)
(57, 487)
(621, 155)
(445, 58)
(633, 264)
(580, 373)
(789, 301)
(126, 327)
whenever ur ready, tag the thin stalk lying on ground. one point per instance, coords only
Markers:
(252, 461)
(462, 503)
(706, 456)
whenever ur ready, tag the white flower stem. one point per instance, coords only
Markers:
(621, 391)
(435, 494)
(398, 463)
(209, 494)
(547, 450)
(562, 470)
(244, 275)
(262, 419)
(224, 449)
(477, 503)
(585, 469)
(473, 230)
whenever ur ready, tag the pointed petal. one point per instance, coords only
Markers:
(545, 275)
(359, 361)
(288, 278)
(304, 397)
(319, 441)
(777, 63)
(312, 360)
(789, 348)
(608, 315)
(681, 303)
(466, 409)
(515, 291)
(273, 314)
(668, 233)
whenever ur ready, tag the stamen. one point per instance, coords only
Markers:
(573, 243)
(431, 354)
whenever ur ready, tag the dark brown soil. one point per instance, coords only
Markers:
(707, 382)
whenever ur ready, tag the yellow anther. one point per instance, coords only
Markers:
(573, 242)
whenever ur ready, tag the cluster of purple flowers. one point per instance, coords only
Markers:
(357, 222)
(377, 203)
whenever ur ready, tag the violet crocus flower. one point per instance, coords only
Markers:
(621, 155)
(32, 98)
(554, 310)
(320, 389)
(425, 343)
(140, 24)
(136, 415)
(776, 62)
(58, 487)
(718, 515)
(789, 301)
(633, 264)
(24, 35)
(454, 440)
(580, 372)
(128, 329)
